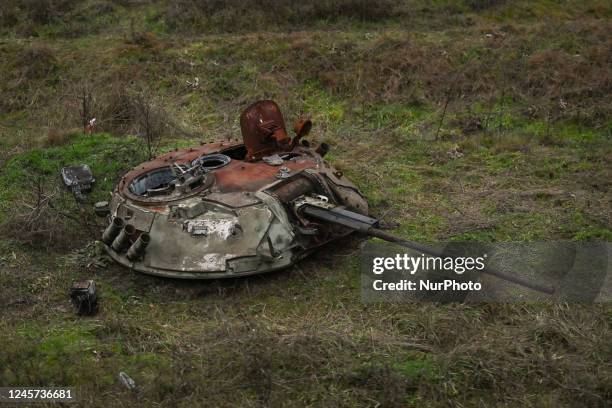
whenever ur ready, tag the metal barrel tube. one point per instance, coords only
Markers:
(122, 242)
(294, 189)
(374, 232)
(357, 222)
(137, 249)
(113, 229)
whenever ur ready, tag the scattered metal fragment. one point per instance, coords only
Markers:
(78, 178)
(455, 152)
(84, 297)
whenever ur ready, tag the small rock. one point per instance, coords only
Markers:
(127, 381)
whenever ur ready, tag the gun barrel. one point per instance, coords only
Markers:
(368, 226)
(374, 232)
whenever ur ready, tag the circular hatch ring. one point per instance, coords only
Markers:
(158, 186)
(213, 161)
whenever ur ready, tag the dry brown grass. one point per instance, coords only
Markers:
(42, 219)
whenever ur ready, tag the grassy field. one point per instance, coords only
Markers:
(470, 120)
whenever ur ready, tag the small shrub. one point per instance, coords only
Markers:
(39, 222)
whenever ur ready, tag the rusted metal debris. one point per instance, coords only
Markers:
(264, 132)
(84, 297)
(78, 179)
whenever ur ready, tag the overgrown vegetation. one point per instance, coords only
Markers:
(472, 120)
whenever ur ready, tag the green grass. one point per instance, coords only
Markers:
(107, 155)
(521, 154)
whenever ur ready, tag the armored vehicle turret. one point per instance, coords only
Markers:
(230, 208)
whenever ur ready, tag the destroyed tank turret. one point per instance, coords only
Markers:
(229, 208)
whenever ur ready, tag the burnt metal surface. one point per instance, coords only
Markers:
(221, 209)
(264, 132)
(263, 129)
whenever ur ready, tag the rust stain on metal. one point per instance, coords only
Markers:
(263, 130)
(255, 175)
(180, 156)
